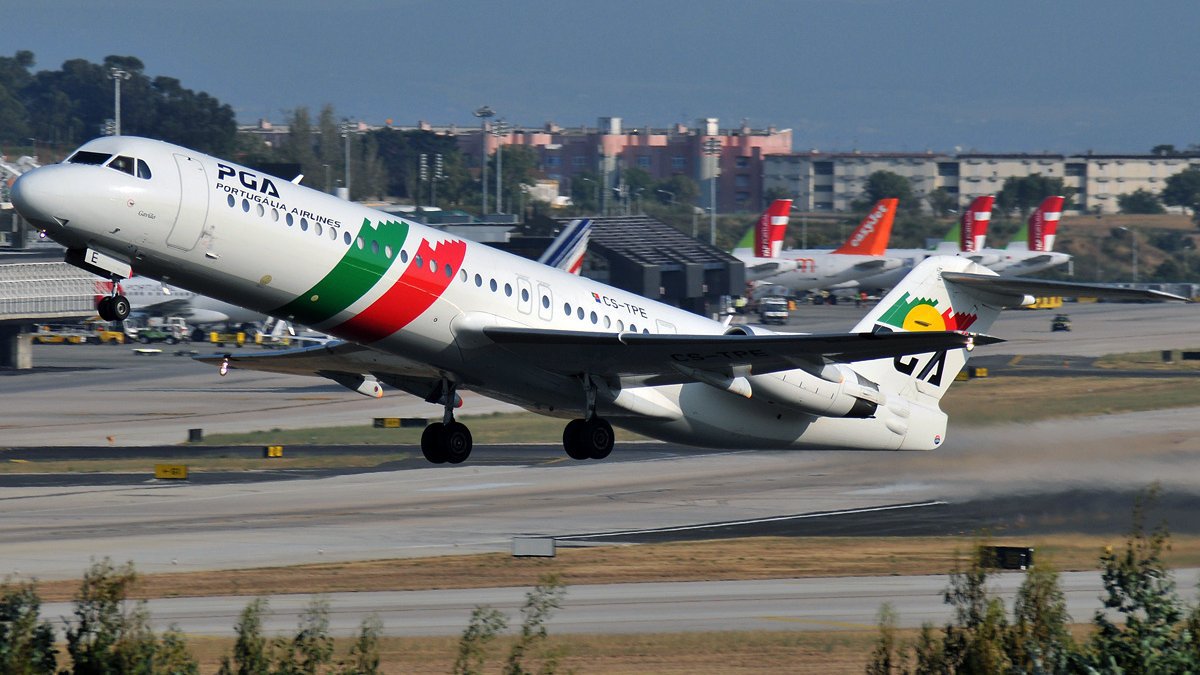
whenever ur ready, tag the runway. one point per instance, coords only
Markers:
(1074, 475)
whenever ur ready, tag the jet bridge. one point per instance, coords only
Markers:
(32, 292)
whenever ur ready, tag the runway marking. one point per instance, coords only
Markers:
(470, 488)
(821, 622)
(557, 460)
(756, 521)
(1015, 360)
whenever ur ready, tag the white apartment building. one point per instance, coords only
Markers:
(831, 181)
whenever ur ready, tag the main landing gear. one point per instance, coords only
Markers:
(113, 307)
(447, 442)
(591, 437)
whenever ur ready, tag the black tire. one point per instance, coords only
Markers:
(572, 440)
(170, 340)
(104, 308)
(456, 442)
(431, 445)
(597, 438)
(120, 307)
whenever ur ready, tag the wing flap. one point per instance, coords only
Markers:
(1016, 288)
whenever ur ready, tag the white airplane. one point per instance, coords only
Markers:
(431, 314)
(565, 252)
(972, 228)
(811, 269)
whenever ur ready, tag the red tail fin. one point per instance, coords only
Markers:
(1043, 224)
(974, 223)
(770, 229)
(872, 234)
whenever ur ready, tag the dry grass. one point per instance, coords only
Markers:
(727, 559)
(1037, 398)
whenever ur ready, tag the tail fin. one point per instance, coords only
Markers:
(872, 234)
(568, 248)
(922, 301)
(1043, 224)
(974, 223)
(771, 228)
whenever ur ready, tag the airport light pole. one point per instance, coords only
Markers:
(484, 114)
(1133, 250)
(712, 148)
(499, 129)
(116, 74)
(347, 131)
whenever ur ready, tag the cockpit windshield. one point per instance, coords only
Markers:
(87, 157)
(122, 163)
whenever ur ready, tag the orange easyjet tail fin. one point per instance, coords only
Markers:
(872, 234)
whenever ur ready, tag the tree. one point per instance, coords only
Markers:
(1183, 189)
(364, 653)
(583, 192)
(486, 623)
(941, 202)
(885, 658)
(885, 184)
(1164, 150)
(312, 647)
(108, 639)
(1140, 201)
(1023, 194)
(1139, 587)
(251, 653)
(26, 644)
(1039, 640)
(519, 167)
(540, 604)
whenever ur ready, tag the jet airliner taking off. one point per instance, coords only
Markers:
(810, 269)
(432, 314)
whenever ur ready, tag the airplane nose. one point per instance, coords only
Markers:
(34, 195)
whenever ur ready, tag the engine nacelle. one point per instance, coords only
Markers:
(850, 397)
(366, 385)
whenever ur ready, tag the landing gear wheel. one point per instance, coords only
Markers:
(455, 442)
(431, 445)
(596, 438)
(104, 308)
(572, 442)
(120, 307)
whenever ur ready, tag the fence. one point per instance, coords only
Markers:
(48, 290)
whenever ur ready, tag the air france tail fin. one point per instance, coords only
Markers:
(568, 248)
(872, 234)
(974, 223)
(1043, 224)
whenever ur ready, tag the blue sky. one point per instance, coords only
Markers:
(1012, 76)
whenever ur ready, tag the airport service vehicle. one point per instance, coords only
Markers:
(49, 334)
(1060, 322)
(102, 332)
(773, 310)
(809, 269)
(432, 314)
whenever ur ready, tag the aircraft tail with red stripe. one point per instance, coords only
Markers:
(973, 225)
(771, 228)
(1039, 232)
(872, 234)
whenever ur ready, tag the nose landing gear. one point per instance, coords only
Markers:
(113, 307)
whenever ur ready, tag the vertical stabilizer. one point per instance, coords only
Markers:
(973, 224)
(1043, 224)
(770, 229)
(923, 302)
(872, 234)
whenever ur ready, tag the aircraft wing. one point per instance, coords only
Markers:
(1018, 287)
(665, 358)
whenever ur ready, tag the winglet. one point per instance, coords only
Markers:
(872, 234)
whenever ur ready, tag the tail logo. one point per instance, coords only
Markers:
(868, 225)
(921, 314)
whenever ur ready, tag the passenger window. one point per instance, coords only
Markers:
(303, 224)
(579, 312)
(317, 229)
(122, 163)
(143, 169)
(261, 210)
(594, 317)
(231, 201)
(246, 205)
(403, 256)
(524, 295)
(508, 290)
(567, 308)
(450, 271)
(387, 251)
(346, 238)
(290, 220)
(478, 280)
(492, 285)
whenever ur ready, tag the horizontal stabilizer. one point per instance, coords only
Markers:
(1015, 289)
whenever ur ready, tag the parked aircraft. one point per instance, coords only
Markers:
(1032, 248)
(811, 269)
(972, 225)
(431, 314)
